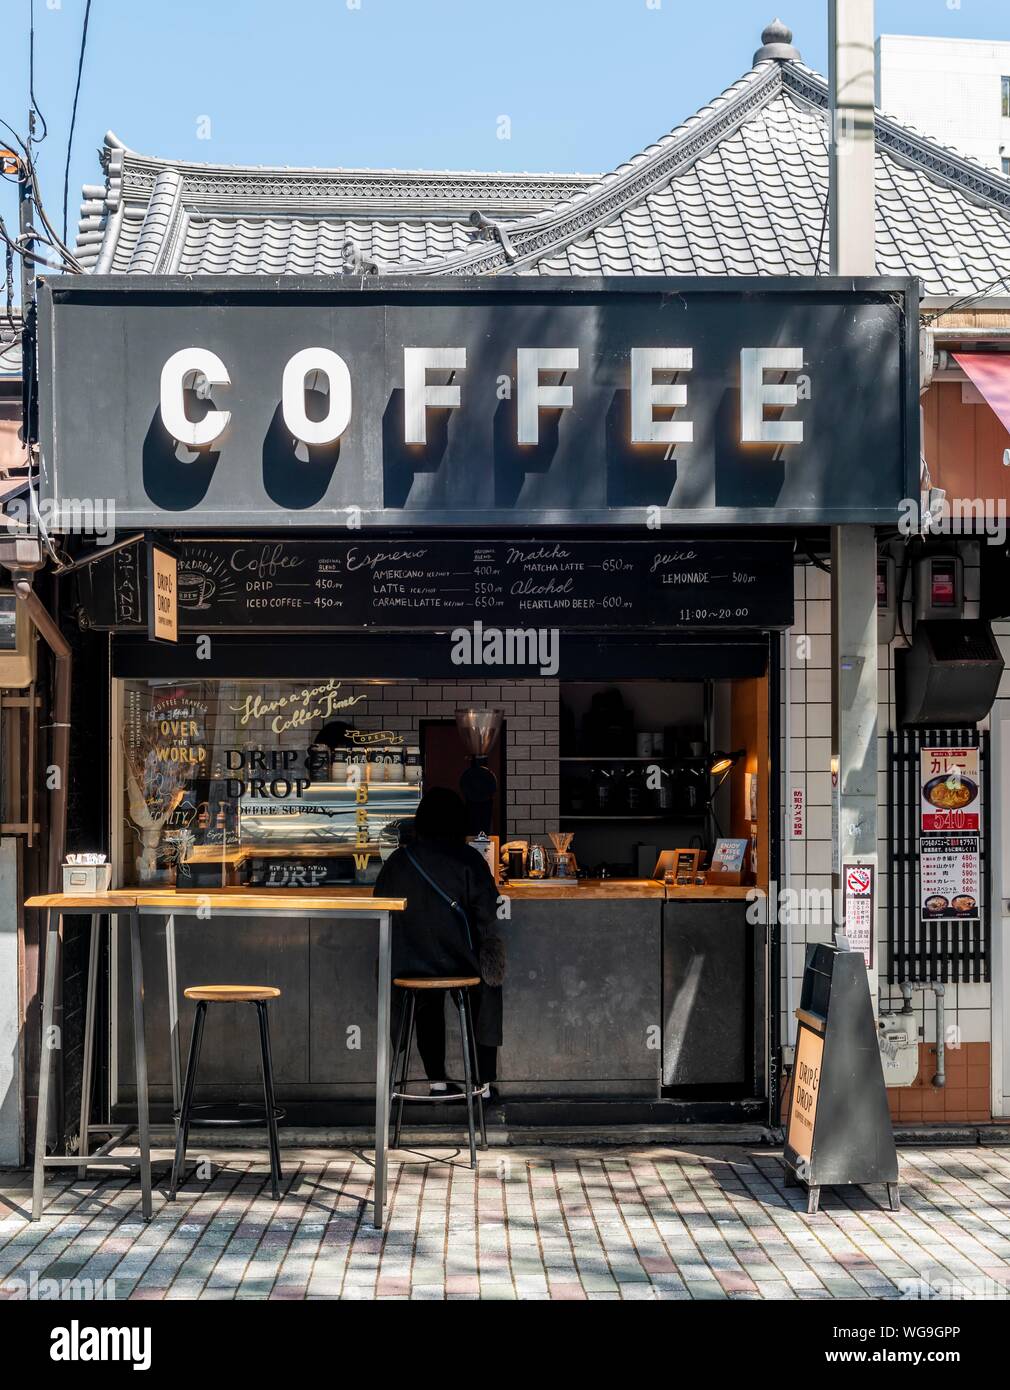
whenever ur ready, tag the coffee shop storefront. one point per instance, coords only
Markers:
(382, 505)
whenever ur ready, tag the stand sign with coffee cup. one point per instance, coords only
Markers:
(950, 825)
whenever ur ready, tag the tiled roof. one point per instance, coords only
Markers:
(740, 188)
(155, 216)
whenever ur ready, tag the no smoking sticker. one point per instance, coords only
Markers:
(859, 909)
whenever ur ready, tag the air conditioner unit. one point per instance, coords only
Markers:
(950, 674)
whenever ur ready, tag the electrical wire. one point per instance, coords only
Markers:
(73, 115)
(57, 242)
(10, 129)
(19, 250)
(808, 550)
(967, 300)
(9, 285)
(31, 79)
(52, 239)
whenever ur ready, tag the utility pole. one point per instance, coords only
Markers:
(853, 548)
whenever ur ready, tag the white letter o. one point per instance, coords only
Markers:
(334, 368)
(196, 433)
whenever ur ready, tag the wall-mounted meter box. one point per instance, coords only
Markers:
(939, 587)
(17, 643)
(898, 1038)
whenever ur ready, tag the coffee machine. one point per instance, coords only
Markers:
(478, 730)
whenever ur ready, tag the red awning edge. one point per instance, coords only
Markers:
(989, 373)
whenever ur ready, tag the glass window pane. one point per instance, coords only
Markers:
(277, 784)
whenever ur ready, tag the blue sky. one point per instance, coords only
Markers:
(402, 83)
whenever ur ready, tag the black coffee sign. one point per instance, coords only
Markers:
(240, 403)
(319, 585)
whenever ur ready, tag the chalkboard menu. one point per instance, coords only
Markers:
(313, 585)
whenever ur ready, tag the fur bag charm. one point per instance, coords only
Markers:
(492, 959)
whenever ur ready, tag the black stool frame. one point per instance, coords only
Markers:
(471, 1071)
(271, 1112)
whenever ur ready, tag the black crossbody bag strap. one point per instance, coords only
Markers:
(456, 906)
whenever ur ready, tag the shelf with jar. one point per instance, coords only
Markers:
(635, 789)
(656, 759)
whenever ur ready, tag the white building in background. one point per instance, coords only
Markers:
(955, 90)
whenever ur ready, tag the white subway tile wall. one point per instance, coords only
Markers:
(967, 1006)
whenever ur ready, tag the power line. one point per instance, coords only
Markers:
(48, 235)
(73, 115)
(969, 299)
(35, 108)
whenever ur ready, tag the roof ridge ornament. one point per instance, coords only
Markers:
(354, 262)
(486, 229)
(777, 44)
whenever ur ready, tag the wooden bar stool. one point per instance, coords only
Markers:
(459, 987)
(242, 1113)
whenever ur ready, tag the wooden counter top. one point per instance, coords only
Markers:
(119, 899)
(266, 900)
(714, 892)
(238, 854)
(172, 899)
(618, 888)
(351, 898)
(562, 890)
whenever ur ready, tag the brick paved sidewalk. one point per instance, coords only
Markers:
(711, 1222)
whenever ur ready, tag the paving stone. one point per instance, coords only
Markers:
(709, 1222)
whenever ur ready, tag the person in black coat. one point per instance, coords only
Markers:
(430, 938)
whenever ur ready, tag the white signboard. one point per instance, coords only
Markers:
(949, 878)
(950, 798)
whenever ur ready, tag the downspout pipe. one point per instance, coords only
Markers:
(940, 1075)
(50, 633)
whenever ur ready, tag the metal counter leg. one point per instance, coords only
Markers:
(382, 1070)
(53, 939)
(173, 1015)
(269, 1103)
(467, 1074)
(401, 1087)
(140, 1060)
(88, 1065)
(475, 1064)
(188, 1092)
(398, 1045)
